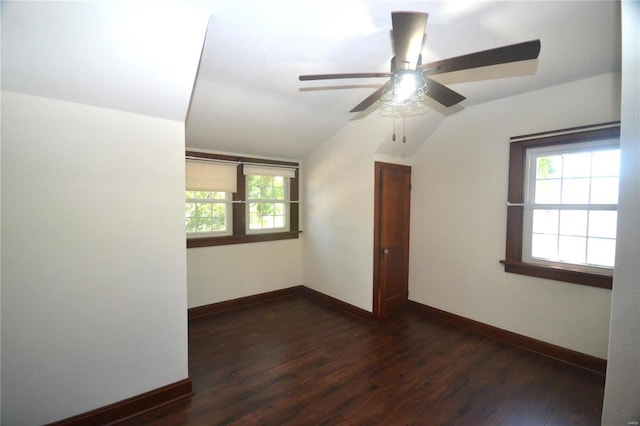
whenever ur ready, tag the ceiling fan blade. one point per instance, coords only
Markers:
(345, 75)
(375, 96)
(408, 34)
(442, 94)
(499, 55)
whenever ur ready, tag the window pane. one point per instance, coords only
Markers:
(606, 163)
(573, 222)
(279, 222)
(190, 210)
(267, 193)
(603, 224)
(218, 223)
(256, 214)
(575, 191)
(572, 249)
(549, 167)
(254, 220)
(577, 165)
(545, 221)
(191, 224)
(217, 211)
(204, 224)
(267, 222)
(601, 252)
(604, 190)
(255, 192)
(548, 191)
(203, 195)
(278, 193)
(204, 210)
(544, 246)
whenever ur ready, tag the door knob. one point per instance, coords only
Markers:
(385, 251)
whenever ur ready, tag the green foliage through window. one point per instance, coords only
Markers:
(267, 202)
(206, 211)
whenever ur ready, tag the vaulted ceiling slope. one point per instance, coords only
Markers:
(142, 57)
(132, 56)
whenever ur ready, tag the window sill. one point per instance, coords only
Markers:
(239, 239)
(559, 274)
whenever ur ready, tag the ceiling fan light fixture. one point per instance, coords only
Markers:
(405, 88)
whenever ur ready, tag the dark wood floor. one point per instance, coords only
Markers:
(293, 362)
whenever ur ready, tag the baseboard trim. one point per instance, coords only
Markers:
(132, 407)
(588, 362)
(228, 305)
(243, 302)
(336, 304)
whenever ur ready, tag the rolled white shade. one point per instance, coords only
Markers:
(269, 171)
(210, 176)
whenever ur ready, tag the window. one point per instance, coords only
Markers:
(563, 195)
(209, 186)
(267, 198)
(230, 205)
(570, 213)
(266, 203)
(208, 212)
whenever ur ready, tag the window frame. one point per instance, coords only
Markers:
(228, 215)
(518, 148)
(286, 201)
(239, 234)
(533, 154)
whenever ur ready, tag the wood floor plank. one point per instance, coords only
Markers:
(294, 362)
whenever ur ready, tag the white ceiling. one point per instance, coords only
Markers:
(142, 57)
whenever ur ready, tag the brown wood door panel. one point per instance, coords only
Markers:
(391, 238)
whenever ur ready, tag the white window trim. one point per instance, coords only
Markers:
(286, 202)
(530, 205)
(228, 216)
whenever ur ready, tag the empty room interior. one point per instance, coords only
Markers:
(320, 212)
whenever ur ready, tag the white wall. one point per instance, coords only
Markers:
(0, 234)
(338, 180)
(622, 389)
(93, 265)
(216, 274)
(459, 219)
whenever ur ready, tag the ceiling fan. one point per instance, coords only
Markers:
(409, 78)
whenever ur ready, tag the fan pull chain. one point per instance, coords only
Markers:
(393, 138)
(404, 129)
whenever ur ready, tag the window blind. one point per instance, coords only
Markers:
(211, 176)
(269, 171)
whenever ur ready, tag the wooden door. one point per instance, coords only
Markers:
(391, 238)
